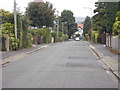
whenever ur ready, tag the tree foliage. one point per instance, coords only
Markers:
(116, 26)
(25, 36)
(19, 29)
(7, 28)
(99, 20)
(8, 31)
(87, 25)
(7, 16)
(104, 18)
(67, 16)
(41, 14)
(111, 10)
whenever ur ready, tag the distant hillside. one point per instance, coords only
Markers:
(79, 20)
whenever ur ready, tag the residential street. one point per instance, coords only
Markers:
(69, 64)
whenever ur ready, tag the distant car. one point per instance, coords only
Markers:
(77, 39)
(80, 37)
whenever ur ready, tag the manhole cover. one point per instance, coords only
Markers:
(77, 58)
(79, 65)
(82, 64)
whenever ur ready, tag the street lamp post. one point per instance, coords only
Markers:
(57, 23)
(15, 19)
(91, 19)
(62, 27)
(63, 23)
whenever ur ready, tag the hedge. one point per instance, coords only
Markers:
(86, 37)
(94, 36)
(47, 35)
(43, 32)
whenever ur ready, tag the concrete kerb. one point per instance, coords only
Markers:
(111, 63)
(19, 56)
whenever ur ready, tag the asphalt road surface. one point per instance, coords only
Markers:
(65, 65)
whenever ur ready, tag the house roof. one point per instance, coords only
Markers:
(80, 26)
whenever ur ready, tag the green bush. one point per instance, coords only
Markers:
(13, 43)
(38, 32)
(60, 39)
(48, 35)
(43, 32)
(86, 37)
(94, 36)
(25, 26)
(57, 38)
(116, 25)
(54, 35)
(61, 36)
(8, 30)
(29, 40)
(65, 36)
(119, 36)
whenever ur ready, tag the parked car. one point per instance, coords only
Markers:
(80, 37)
(77, 39)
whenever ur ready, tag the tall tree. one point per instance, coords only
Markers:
(87, 25)
(20, 28)
(67, 16)
(119, 6)
(111, 10)
(25, 25)
(41, 14)
(99, 20)
(105, 17)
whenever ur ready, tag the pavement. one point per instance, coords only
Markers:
(64, 65)
(109, 58)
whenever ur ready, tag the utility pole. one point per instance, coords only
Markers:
(15, 19)
(91, 24)
(63, 27)
(57, 23)
(63, 24)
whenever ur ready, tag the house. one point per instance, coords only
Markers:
(80, 31)
(80, 26)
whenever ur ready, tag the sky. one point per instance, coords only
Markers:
(76, 6)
